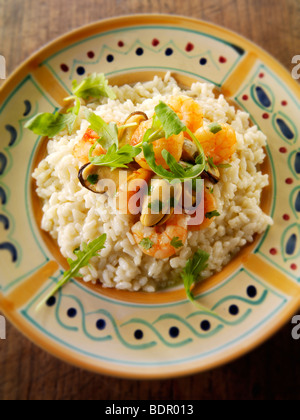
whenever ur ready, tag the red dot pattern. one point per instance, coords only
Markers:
(286, 217)
(64, 68)
(189, 47)
(283, 150)
(91, 54)
(273, 251)
(289, 181)
(155, 42)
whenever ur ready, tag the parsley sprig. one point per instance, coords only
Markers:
(47, 124)
(166, 123)
(84, 255)
(94, 86)
(192, 275)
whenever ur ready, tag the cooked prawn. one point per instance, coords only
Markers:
(188, 110)
(156, 241)
(209, 206)
(173, 145)
(82, 148)
(130, 188)
(220, 146)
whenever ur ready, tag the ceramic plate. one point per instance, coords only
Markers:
(139, 335)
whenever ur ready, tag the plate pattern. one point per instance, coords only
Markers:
(125, 337)
(19, 241)
(88, 320)
(274, 109)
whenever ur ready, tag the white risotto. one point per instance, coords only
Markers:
(73, 215)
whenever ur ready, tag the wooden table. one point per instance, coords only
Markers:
(270, 372)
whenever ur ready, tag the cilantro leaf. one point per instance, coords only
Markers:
(115, 158)
(215, 128)
(94, 86)
(176, 170)
(146, 243)
(93, 179)
(108, 133)
(192, 275)
(166, 123)
(224, 165)
(210, 162)
(47, 124)
(212, 214)
(176, 243)
(169, 119)
(84, 255)
(154, 133)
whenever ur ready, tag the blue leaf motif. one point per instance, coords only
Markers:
(13, 134)
(3, 163)
(3, 198)
(10, 248)
(263, 97)
(297, 163)
(291, 242)
(285, 129)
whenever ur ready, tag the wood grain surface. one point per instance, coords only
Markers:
(270, 372)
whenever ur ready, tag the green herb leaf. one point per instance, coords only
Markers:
(212, 214)
(93, 179)
(210, 162)
(215, 128)
(84, 256)
(146, 243)
(192, 275)
(176, 243)
(154, 133)
(108, 133)
(176, 170)
(166, 123)
(115, 158)
(49, 125)
(169, 119)
(224, 165)
(94, 86)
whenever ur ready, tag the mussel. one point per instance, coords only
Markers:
(158, 206)
(189, 151)
(100, 179)
(125, 134)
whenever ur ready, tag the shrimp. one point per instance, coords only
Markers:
(220, 146)
(188, 110)
(209, 206)
(130, 188)
(158, 241)
(173, 145)
(82, 148)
